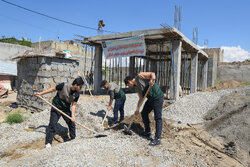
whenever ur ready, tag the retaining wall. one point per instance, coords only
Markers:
(238, 72)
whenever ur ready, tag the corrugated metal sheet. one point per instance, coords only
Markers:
(7, 68)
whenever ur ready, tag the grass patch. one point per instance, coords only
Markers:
(245, 83)
(15, 118)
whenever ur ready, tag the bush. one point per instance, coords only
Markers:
(15, 118)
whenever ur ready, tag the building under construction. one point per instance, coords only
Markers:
(175, 59)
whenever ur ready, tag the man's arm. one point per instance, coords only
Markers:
(148, 75)
(73, 111)
(112, 96)
(139, 101)
(45, 91)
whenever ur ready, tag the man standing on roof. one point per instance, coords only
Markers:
(155, 98)
(115, 92)
(67, 95)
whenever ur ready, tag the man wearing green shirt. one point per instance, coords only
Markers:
(115, 92)
(155, 96)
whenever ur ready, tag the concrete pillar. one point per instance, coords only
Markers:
(131, 66)
(204, 74)
(175, 69)
(98, 69)
(212, 72)
(194, 71)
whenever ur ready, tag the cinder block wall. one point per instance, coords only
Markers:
(231, 71)
(36, 74)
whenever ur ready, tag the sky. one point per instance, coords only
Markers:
(224, 23)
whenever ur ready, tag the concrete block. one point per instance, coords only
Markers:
(57, 80)
(60, 67)
(46, 67)
(54, 73)
(53, 67)
(65, 68)
(63, 79)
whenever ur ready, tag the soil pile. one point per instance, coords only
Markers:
(229, 122)
(229, 84)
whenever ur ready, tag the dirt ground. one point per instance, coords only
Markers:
(229, 84)
(185, 142)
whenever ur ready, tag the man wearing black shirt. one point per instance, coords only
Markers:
(67, 94)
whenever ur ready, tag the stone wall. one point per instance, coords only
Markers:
(231, 71)
(36, 74)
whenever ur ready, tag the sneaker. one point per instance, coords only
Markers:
(48, 145)
(155, 142)
(146, 135)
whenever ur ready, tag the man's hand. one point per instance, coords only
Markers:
(152, 81)
(109, 108)
(73, 119)
(136, 112)
(37, 94)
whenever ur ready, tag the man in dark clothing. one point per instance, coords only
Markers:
(115, 93)
(155, 96)
(67, 94)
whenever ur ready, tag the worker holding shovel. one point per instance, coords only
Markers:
(67, 95)
(142, 82)
(116, 93)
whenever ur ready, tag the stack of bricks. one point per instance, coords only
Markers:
(36, 74)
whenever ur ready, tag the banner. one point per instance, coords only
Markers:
(125, 47)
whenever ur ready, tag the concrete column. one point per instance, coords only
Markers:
(97, 69)
(204, 74)
(194, 68)
(212, 72)
(131, 66)
(175, 70)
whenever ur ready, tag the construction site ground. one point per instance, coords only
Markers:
(202, 129)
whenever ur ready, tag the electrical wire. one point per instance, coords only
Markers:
(64, 21)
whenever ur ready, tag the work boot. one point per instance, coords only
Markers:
(146, 135)
(155, 142)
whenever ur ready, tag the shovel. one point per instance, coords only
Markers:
(95, 132)
(127, 128)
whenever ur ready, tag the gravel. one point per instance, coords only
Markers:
(116, 149)
(192, 108)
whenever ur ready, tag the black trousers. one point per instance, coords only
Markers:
(54, 117)
(155, 105)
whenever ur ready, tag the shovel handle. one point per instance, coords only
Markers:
(105, 116)
(66, 114)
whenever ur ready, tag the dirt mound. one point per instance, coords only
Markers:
(138, 126)
(229, 84)
(229, 121)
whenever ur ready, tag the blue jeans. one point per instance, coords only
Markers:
(155, 105)
(119, 106)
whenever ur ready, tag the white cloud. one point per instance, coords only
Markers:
(235, 54)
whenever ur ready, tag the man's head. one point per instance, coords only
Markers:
(77, 84)
(104, 84)
(129, 81)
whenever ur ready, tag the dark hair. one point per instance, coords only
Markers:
(78, 81)
(103, 83)
(128, 78)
